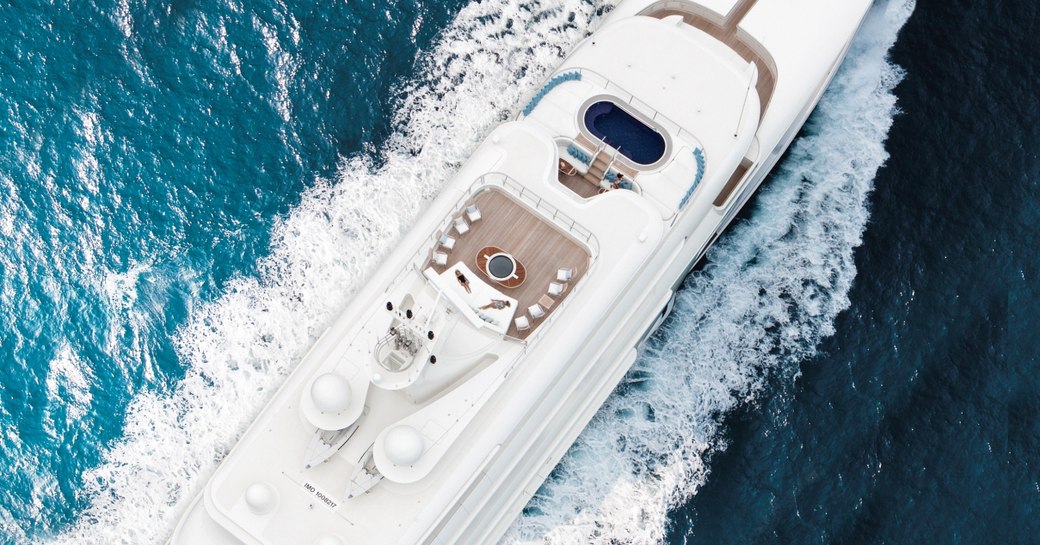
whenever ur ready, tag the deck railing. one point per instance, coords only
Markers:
(541, 329)
(657, 117)
(619, 92)
(544, 207)
(514, 187)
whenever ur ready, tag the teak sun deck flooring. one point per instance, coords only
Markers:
(579, 185)
(537, 243)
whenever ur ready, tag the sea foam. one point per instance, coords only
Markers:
(772, 290)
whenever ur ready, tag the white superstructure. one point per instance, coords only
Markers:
(440, 400)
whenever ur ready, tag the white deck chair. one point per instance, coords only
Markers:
(461, 226)
(522, 323)
(536, 311)
(556, 288)
(447, 242)
(440, 258)
(565, 275)
(473, 213)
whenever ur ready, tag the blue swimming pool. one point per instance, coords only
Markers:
(618, 128)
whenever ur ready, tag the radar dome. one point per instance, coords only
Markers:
(403, 445)
(331, 393)
(261, 498)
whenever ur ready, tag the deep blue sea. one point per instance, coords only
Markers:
(191, 191)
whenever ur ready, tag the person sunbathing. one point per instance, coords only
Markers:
(463, 281)
(497, 304)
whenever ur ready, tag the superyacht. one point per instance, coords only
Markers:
(440, 400)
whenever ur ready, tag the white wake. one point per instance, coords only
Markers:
(769, 294)
(775, 285)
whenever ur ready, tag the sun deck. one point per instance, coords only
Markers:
(533, 240)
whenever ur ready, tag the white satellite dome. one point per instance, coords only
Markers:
(261, 498)
(329, 540)
(403, 445)
(331, 393)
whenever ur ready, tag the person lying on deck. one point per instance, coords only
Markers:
(463, 280)
(497, 304)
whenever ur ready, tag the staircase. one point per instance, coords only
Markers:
(597, 169)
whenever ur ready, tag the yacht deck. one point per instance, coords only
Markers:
(579, 185)
(539, 245)
(728, 31)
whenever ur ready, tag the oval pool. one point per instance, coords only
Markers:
(618, 128)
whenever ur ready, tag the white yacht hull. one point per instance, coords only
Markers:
(477, 469)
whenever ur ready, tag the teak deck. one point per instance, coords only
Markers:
(579, 185)
(533, 240)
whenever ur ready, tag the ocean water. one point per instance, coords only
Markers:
(917, 420)
(189, 193)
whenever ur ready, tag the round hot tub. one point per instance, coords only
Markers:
(501, 266)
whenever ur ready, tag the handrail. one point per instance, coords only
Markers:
(524, 194)
(554, 214)
(541, 329)
(551, 212)
(503, 180)
(630, 99)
